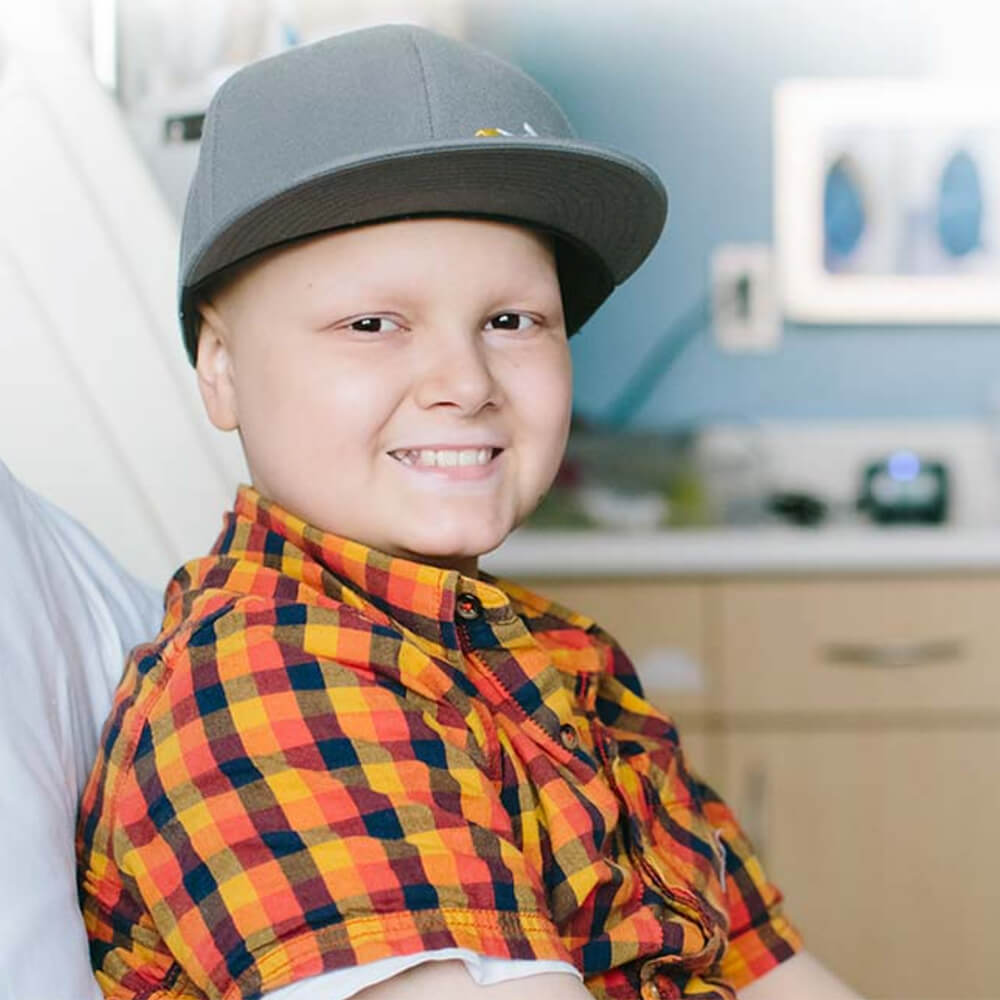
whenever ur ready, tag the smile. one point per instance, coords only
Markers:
(445, 457)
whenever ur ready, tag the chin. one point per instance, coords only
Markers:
(469, 546)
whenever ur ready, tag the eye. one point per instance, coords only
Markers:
(511, 321)
(374, 324)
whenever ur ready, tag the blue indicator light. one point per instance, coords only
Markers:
(904, 466)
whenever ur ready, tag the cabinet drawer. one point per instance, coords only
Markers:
(862, 645)
(660, 625)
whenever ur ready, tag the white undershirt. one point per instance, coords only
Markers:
(343, 983)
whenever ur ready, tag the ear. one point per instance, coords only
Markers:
(216, 381)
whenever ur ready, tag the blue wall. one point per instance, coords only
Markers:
(686, 85)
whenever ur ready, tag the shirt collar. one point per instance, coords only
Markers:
(420, 597)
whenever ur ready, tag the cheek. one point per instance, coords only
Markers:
(313, 407)
(545, 400)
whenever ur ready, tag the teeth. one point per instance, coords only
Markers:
(445, 456)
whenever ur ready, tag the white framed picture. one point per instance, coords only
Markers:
(887, 201)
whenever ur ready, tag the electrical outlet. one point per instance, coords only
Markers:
(745, 313)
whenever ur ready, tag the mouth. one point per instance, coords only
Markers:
(445, 458)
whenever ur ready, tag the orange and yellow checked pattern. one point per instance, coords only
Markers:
(331, 755)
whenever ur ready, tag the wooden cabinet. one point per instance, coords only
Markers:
(854, 726)
(884, 844)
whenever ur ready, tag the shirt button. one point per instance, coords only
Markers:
(569, 737)
(468, 606)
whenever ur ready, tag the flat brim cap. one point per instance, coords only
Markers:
(395, 122)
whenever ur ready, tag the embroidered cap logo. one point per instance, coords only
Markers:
(487, 132)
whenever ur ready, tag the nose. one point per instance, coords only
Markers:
(456, 369)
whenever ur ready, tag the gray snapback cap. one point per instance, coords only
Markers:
(397, 121)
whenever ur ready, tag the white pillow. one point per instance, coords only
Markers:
(68, 616)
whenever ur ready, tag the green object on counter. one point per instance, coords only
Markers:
(688, 502)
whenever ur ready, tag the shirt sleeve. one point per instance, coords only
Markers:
(485, 971)
(760, 936)
(286, 815)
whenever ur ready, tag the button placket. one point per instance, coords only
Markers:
(469, 609)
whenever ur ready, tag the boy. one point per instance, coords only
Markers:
(350, 754)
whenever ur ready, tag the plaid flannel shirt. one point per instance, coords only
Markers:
(331, 755)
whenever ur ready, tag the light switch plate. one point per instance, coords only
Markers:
(745, 316)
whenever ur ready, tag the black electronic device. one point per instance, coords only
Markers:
(905, 489)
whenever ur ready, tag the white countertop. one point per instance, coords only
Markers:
(764, 550)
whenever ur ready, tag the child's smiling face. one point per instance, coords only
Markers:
(406, 384)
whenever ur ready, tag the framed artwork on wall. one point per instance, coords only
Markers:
(887, 201)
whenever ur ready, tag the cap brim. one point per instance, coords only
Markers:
(609, 208)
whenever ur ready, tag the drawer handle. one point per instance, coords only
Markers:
(894, 654)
